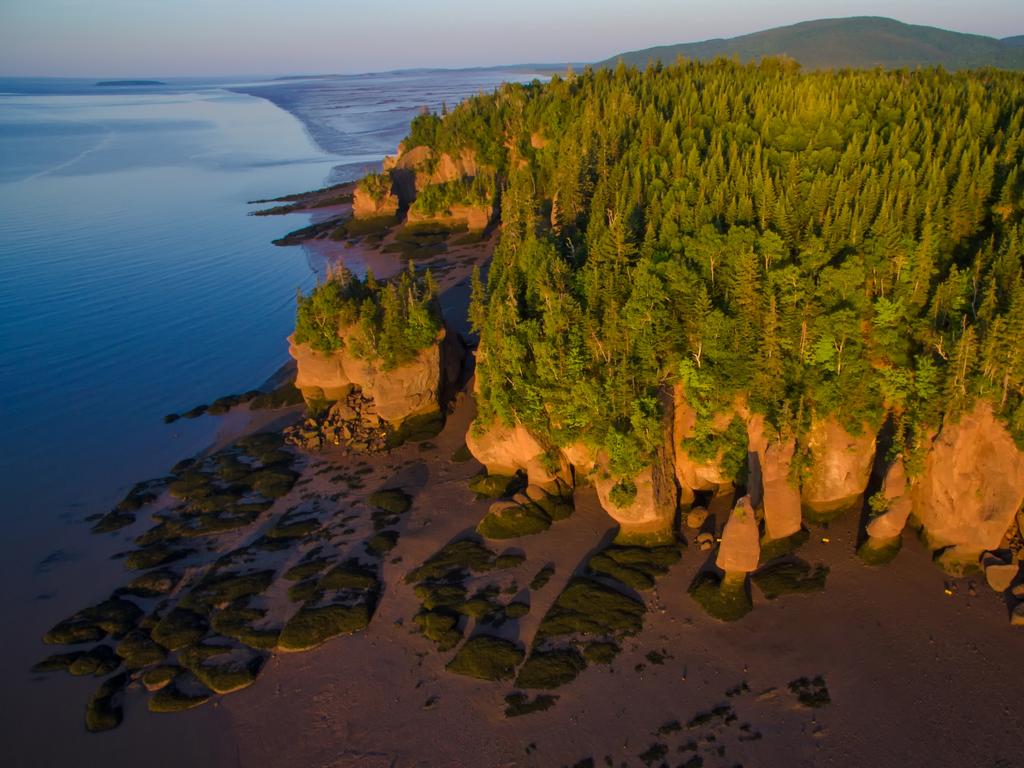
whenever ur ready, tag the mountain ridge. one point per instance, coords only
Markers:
(854, 42)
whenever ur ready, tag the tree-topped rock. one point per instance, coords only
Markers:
(374, 198)
(386, 338)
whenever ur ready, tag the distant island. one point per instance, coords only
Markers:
(861, 42)
(129, 82)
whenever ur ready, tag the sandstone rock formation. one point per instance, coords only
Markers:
(365, 206)
(840, 466)
(972, 484)
(694, 475)
(740, 549)
(475, 217)
(651, 512)
(899, 504)
(779, 497)
(507, 450)
(414, 389)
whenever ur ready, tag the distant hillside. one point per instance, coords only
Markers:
(861, 42)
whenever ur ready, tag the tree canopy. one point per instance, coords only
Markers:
(844, 244)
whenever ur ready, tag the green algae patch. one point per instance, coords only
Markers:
(394, 501)
(111, 617)
(722, 599)
(152, 583)
(513, 521)
(496, 486)
(104, 710)
(772, 549)
(518, 704)
(350, 575)
(542, 577)
(225, 588)
(171, 698)
(486, 658)
(458, 557)
(636, 567)
(99, 662)
(139, 650)
(551, 669)
(306, 569)
(877, 553)
(155, 678)
(180, 627)
(153, 556)
(587, 607)
(790, 577)
(311, 627)
(440, 627)
(601, 652)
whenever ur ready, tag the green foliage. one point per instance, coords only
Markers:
(486, 658)
(439, 199)
(387, 321)
(376, 185)
(831, 244)
(623, 493)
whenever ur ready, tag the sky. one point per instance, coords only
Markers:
(152, 38)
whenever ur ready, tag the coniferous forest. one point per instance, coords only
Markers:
(843, 244)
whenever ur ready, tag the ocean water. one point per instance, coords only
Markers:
(132, 282)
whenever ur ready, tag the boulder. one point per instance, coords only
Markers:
(972, 485)
(840, 465)
(652, 510)
(740, 549)
(705, 541)
(507, 450)
(1001, 575)
(696, 518)
(1017, 616)
(899, 504)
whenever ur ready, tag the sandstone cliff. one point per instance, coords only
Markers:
(972, 484)
(507, 450)
(416, 388)
(839, 468)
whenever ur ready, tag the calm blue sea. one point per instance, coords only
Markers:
(132, 282)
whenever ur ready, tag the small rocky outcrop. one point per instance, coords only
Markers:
(779, 496)
(898, 504)
(840, 465)
(972, 484)
(650, 510)
(366, 206)
(508, 450)
(740, 548)
(395, 396)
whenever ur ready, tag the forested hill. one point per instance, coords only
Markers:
(844, 244)
(864, 42)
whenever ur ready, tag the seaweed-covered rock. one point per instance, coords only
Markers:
(487, 658)
(313, 626)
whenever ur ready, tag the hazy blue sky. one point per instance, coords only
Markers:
(189, 37)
